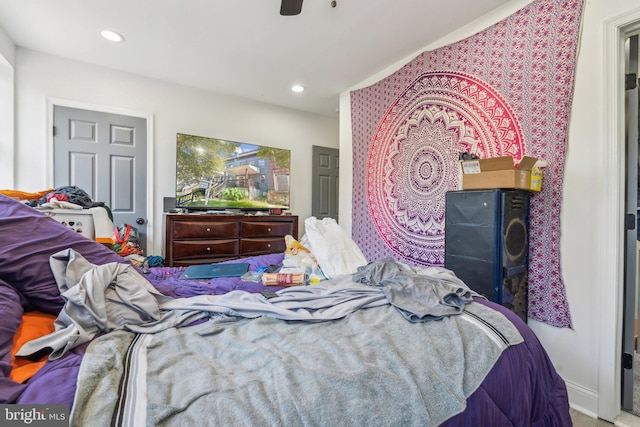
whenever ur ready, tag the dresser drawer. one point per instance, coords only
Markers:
(183, 250)
(259, 229)
(263, 245)
(199, 239)
(204, 230)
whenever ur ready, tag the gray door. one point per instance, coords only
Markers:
(324, 185)
(631, 235)
(105, 155)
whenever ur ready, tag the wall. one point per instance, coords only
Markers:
(41, 78)
(7, 58)
(587, 357)
(7, 48)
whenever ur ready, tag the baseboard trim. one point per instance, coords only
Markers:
(583, 399)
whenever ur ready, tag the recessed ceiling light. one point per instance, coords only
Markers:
(297, 88)
(112, 36)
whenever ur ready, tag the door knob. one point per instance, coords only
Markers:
(140, 221)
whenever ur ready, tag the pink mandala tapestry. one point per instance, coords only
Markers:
(412, 161)
(504, 91)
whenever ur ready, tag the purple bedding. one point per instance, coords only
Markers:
(167, 279)
(29, 238)
(523, 388)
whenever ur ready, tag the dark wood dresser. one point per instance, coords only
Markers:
(201, 239)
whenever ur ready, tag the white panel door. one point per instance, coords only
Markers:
(105, 155)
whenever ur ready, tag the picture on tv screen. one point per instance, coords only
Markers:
(219, 174)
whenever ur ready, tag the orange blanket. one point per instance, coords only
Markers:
(24, 195)
(34, 325)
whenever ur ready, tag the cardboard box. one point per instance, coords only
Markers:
(499, 172)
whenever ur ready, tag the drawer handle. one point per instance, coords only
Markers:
(208, 229)
(269, 229)
(209, 249)
(268, 245)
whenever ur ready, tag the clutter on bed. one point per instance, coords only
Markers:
(385, 344)
(284, 278)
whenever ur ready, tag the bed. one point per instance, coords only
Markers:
(218, 352)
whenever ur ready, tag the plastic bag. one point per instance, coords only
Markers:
(296, 254)
(127, 240)
(332, 247)
(299, 255)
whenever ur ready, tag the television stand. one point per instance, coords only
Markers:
(208, 238)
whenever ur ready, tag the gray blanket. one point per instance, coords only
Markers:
(371, 367)
(103, 298)
(419, 294)
(331, 354)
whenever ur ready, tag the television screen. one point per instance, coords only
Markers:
(216, 174)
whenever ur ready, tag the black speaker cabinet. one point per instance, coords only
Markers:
(487, 243)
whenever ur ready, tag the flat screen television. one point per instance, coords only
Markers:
(216, 174)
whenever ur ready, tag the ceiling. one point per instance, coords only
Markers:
(242, 47)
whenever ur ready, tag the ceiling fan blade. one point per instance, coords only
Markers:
(290, 7)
